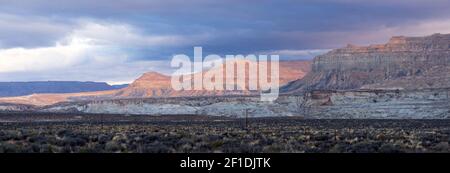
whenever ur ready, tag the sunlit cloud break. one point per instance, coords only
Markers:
(95, 45)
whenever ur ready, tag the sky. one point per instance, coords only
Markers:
(115, 41)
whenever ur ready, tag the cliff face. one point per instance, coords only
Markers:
(371, 104)
(353, 67)
(153, 84)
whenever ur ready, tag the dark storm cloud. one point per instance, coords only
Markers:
(232, 26)
(118, 40)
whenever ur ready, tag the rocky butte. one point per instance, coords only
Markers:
(402, 63)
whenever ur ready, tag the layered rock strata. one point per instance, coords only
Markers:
(402, 58)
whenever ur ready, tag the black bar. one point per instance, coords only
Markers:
(172, 162)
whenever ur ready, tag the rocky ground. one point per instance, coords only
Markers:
(178, 134)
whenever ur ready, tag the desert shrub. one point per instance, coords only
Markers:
(8, 135)
(442, 147)
(364, 147)
(63, 133)
(150, 138)
(321, 137)
(186, 141)
(46, 148)
(8, 148)
(216, 144)
(265, 135)
(339, 148)
(88, 150)
(65, 149)
(156, 147)
(37, 139)
(389, 148)
(103, 139)
(113, 146)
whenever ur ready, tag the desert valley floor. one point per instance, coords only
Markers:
(43, 132)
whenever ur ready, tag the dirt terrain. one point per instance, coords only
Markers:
(61, 133)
